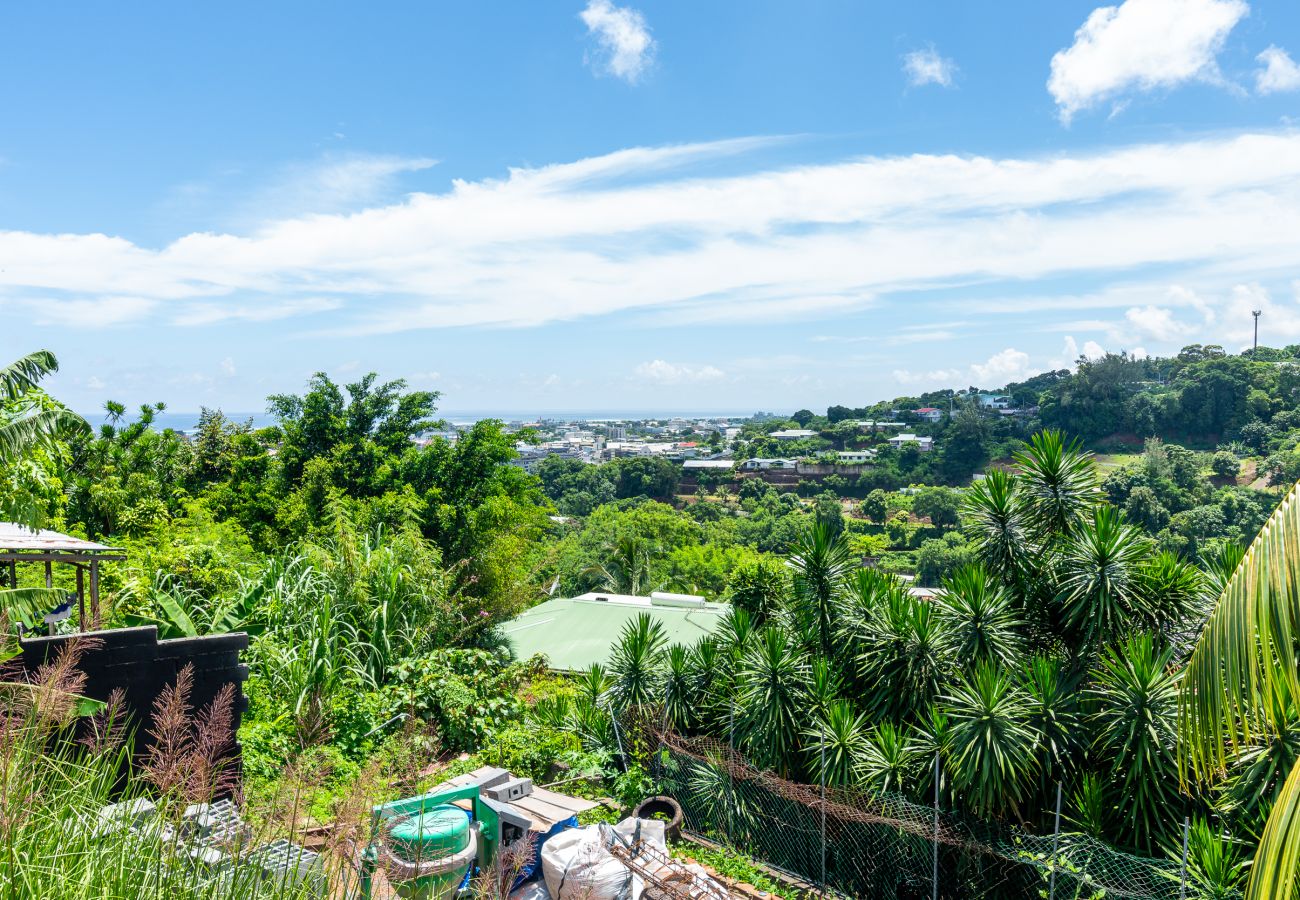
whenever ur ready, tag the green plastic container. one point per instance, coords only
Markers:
(435, 833)
(429, 854)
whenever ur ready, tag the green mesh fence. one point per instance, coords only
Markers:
(882, 846)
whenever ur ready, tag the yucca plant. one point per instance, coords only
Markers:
(1054, 714)
(821, 561)
(1100, 584)
(992, 751)
(998, 524)
(678, 689)
(890, 759)
(836, 744)
(904, 656)
(1059, 484)
(1215, 863)
(1240, 684)
(1135, 694)
(636, 666)
(1089, 810)
(979, 619)
(773, 694)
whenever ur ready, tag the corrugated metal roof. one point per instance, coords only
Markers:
(19, 537)
(573, 633)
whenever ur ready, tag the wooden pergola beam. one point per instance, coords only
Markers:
(17, 556)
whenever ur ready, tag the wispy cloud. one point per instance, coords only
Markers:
(1141, 45)
(662, 372)
(646, 232)
(623, 45)
(926, 66)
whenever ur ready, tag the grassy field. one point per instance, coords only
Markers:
(1108, 462)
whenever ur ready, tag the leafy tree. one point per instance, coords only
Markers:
(1225, 464)
(876, 506)
(758, 585)
(940, 505)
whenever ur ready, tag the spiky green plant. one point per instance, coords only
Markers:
(1240, 683)
(1215, 863)
(998, 524)
(991, 755)
(903, 656)
(821, 561)
(1100, 588)
(890, 759)
(1054, 713)
(835, 745)
(979, 618)
(637, 664)
(1135, 692)
(678, 689)
(1089, 810)
(773, 694)
(1059, 484)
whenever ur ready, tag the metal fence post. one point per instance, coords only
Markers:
(822, 757)
(935, 893)
(1182, 873)
(731, 781)
(1056, 845)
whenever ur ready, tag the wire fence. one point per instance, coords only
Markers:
(886, 846)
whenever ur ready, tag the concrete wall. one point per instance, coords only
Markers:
(134, 660)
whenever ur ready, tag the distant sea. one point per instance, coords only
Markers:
(188, 421)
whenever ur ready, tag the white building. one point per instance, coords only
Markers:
(855, 456)
(758, 463)
(995, 401)
(793, 434)
(928, 414)
(722, 464)
(899, 440)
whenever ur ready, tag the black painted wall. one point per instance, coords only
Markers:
(134, 660)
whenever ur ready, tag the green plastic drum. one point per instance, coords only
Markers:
(435, 833)
(432, 852)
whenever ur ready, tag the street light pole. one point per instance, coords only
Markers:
(1255, 349)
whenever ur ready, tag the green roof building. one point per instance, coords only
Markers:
(572, 633)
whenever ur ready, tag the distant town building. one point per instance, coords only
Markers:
(928, 414)
(900, 440)
(720, 464)
(760, 463)
(995, 401)
(793, 434)
(855, 456)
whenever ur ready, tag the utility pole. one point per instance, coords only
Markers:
(1254, 350)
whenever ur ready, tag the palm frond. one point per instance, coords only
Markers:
(1242, 674)
(21, 375)
(18, 436)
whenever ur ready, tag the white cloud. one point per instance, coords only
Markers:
(661, 372)
(624, 47)
(645, 232)
(926, 66)
(1141, 45)
(1091, 350)
(228, 366)
(1279, 73)
(1001, 368)
(1156, 323)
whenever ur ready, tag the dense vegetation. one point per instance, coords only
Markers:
(372, 569)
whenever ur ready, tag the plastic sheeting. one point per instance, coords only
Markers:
(577, 864)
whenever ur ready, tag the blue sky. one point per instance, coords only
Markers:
(639, 205)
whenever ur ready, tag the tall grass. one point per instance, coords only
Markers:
(56, 841)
